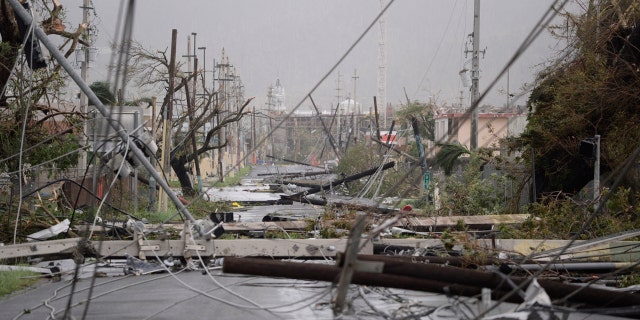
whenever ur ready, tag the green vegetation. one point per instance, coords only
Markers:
(103, 91)
(235, 180)
(423, 113)
(558, 216)
(469, 193)
(593, 89)
(11, 281)
(359, 158)
(159, 216)
(629, 280)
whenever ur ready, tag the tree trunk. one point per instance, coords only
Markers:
(179, 166)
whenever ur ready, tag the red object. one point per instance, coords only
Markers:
(407, 208)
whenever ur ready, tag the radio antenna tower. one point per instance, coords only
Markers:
(382, 65)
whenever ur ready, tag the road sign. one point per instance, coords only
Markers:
(427, 179)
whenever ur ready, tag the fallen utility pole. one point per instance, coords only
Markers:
(331, 273)
(326, 130)
(293, 175)
(453, 261)
(344, 203)
(337, 182)
(556, 290)
(300, 184)
(432, 278)
(280, 248)
(292, 161)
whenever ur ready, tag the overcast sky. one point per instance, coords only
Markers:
(298, 41)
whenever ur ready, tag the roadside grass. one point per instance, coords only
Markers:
(11, 281)
(174, 183)
(199, 208)
(159, 216)
(235, 180)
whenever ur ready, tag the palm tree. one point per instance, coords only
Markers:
(448, 154)
(103, 92)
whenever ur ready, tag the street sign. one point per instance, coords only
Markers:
(427, 179)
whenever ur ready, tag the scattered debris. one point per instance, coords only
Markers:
(50, 232)
(138, 267)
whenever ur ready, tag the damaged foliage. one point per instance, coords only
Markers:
(592, 89)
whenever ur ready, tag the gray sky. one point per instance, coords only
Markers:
(298, 41)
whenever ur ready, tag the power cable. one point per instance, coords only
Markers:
(444, 34)
(296, 107)
(22, 134)
(315, 87)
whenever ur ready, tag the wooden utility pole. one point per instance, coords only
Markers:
(167, 116)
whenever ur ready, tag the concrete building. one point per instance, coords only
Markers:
(492, 126)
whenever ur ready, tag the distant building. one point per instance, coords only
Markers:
(454, 126)
(349, 106)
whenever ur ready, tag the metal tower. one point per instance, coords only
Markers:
(382, 65)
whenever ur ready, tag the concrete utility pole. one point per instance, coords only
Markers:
(195, 66)
(237, 88)
(338, 89)
(355, 105)
(475, 75)
(355, 80)
(204, 66)
(339, 126)
(82, 161)
(222, 79)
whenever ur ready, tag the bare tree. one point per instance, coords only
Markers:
(206, 116)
